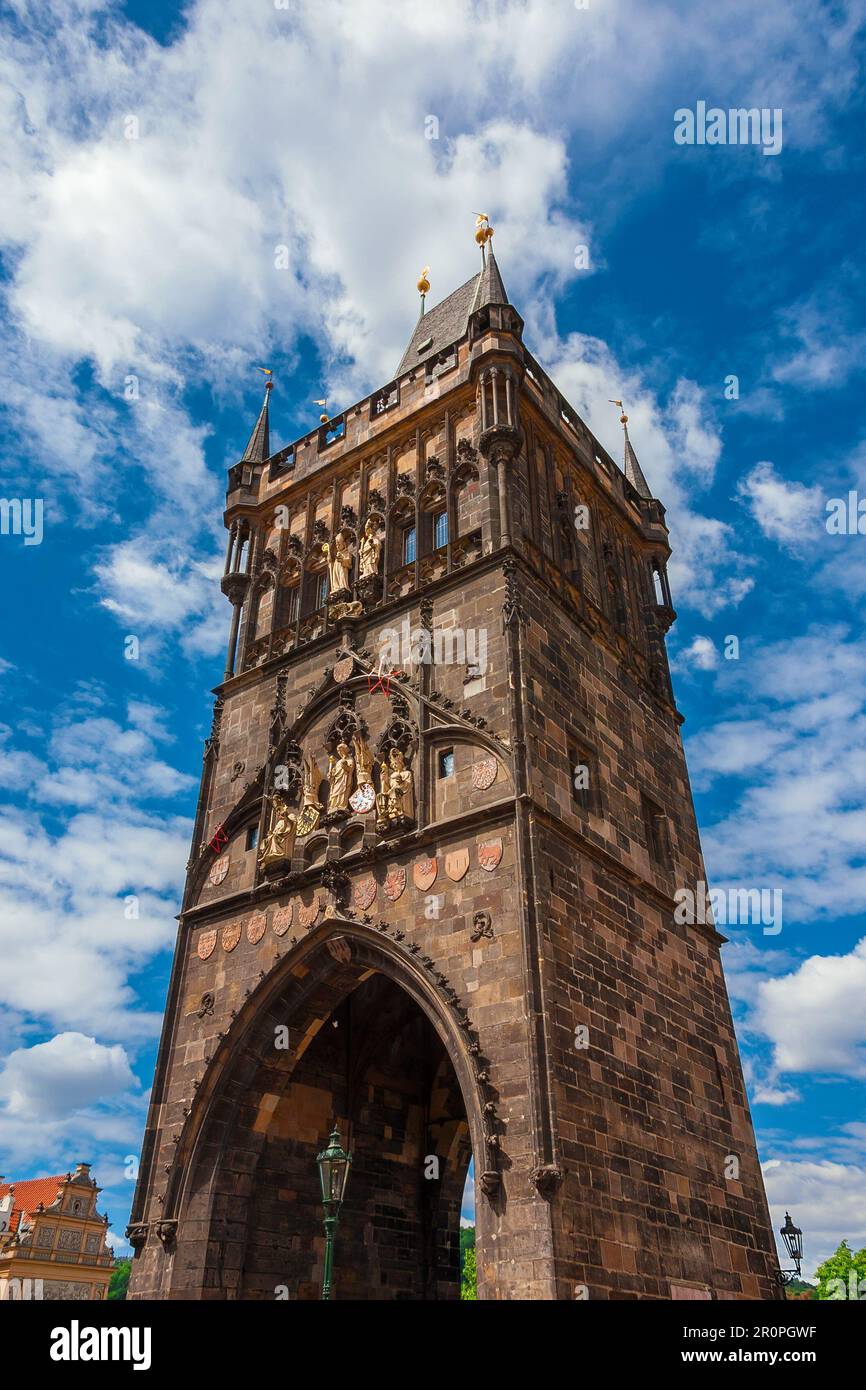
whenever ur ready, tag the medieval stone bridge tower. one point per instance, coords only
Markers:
(435, 905)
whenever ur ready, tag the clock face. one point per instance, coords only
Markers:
(364, 799)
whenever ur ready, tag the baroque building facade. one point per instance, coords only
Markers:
(53, 1239)
(444, 810)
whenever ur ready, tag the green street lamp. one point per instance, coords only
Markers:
(793, 1238)
(333, 1165)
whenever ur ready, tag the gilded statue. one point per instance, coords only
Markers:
(371, 549)
(311, 806)
(401, 790)
(382, 795)
(339, 557)
(279, 842)
(341, 770)
(395, 800)
(363, 761)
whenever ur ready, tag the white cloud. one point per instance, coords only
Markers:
(826, 1200)
(154, 255)
(52, 1079)
(787, 512)
(815, 1017)
(790, 759)
(701, 654)
(94, 900)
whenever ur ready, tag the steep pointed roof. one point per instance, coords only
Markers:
(490, 287)
(259, 447)
(448, 321)
(633, 470)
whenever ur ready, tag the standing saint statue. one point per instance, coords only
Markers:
(311, 806)
(364, 799)
(382, 795)
(340, 776)
(401, 790)
(339, 557)
(279, 842)
(371, 549)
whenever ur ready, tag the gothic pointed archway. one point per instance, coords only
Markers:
(346, 1031)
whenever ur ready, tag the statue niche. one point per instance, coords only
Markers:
(369, 559)
(395, 800)
(338, 554)
(279, 842)
(341, 773)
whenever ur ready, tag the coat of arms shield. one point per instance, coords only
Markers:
(490, 854)
(206, 944)
(231, 936)
(256, 928)
(395, 882)
(456, 864)
(424, 873)
(218, 871)
(365, 892)
(283, 919)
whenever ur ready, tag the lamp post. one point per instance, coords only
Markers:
(793, 1238)
(333, 1163)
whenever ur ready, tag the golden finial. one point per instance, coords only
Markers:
(423, 282)
(323, 418)
(623, 419)
(268, 371)
(483, 229)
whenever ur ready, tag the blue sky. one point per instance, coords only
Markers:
(158, 159)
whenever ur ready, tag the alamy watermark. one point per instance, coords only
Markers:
(22, 516)
(730, 907)
(738, 125)
(419, 646)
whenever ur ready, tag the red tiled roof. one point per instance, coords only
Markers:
(29, 1194)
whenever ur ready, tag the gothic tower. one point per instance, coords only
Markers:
(444, 811)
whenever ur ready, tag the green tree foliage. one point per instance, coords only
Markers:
(120, 1279)
(469, 1280)
(840, 1276)
(468, 1270)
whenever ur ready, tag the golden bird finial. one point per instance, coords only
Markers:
(623, 419)
(323, 418)
(483, 229)
(423, 282)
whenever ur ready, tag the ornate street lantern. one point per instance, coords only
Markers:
(793, 1238)
(333, 1163)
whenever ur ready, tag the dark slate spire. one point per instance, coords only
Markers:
(259, 447)
(490, 289)
(632, 468)
(443, 325)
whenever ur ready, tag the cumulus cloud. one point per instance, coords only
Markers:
(827, 1201)
(786, 511)
(789, 757)
(150, 189)
(52, 1079)
(815, 1016)
(701, 654)
(95, 899)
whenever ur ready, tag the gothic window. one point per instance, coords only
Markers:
(440, 529)
(408, 545)
(252, 836)
(291, 602)
(656, 833)
(446, 762)
(583, 772)
(322, 590)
